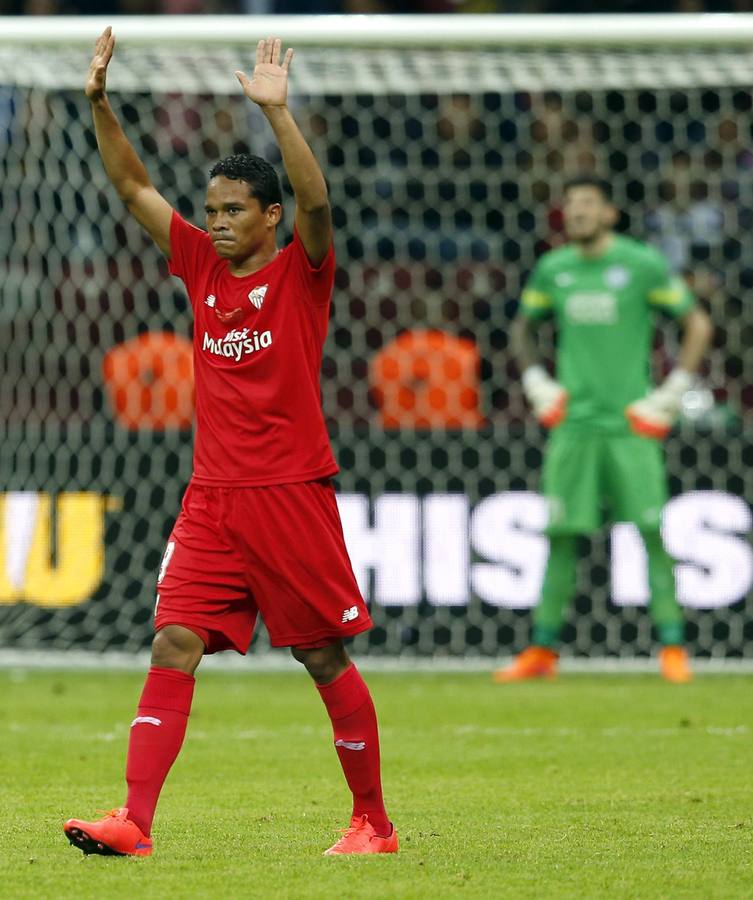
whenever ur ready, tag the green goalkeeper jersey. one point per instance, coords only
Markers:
(604, 309)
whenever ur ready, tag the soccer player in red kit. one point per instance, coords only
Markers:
(259, 530)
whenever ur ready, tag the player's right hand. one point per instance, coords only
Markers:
(96, 79)
(547, 397)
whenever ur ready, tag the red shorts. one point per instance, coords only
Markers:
(278, 551)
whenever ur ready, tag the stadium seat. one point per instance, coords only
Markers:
(149, 382)
(427, 380)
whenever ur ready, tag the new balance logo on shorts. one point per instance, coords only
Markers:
(350, 614)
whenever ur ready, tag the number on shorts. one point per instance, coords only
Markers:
(169, 550)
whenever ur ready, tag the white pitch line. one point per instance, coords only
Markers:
(72, 660)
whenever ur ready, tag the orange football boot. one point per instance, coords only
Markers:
(533, 662)
(674, 664)
(360, 837)
(115, 835)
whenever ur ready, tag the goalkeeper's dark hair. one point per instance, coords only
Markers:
(258, 174)
(588, 179)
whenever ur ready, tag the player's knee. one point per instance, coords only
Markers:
(175, 647)
(323, 664)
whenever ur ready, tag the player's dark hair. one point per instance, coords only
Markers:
(256, 172)
(588, 179)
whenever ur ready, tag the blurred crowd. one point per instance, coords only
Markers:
(282, 7)
(441, 204)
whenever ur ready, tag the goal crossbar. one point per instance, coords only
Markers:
(461, 31)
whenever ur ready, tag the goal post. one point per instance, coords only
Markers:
(385, 31)
(445, 141)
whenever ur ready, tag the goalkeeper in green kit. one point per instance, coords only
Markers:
(606, 418)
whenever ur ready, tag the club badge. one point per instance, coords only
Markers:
(256, 296)
(616, 277)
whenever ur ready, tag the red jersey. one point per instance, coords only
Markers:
(257, 351)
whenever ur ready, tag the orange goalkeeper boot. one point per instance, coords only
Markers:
(360, 837)
(115, 835)
(533, 662)
(674, 664)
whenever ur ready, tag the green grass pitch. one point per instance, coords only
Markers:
(587, 787)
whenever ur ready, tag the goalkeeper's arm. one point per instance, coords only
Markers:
(124, 168)
(547, 397)
(654, 415)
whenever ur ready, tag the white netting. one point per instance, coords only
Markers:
(377, 72)
(445, 168)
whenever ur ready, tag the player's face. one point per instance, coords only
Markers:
(588, 213)
(236, 222)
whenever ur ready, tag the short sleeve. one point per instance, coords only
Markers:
(536, 301)
(190, 250)
(666, 291)
(318, 279)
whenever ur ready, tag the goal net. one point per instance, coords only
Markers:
(445, 167)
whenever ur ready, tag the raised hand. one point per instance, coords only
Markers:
(269, 85)
(95, 80)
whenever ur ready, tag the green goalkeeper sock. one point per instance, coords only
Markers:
(556, 592)
(663, 606)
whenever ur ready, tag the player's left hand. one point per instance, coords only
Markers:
(653, 416)
(269, 84)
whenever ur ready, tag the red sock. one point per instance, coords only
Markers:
(156, 737)
(354, 724)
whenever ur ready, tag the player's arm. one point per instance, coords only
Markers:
(269, 89)
(547, 397)
(523, 342)
(697, 331)
(124, 168)
(655, 414)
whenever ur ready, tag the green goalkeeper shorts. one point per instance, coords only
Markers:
(588, 475)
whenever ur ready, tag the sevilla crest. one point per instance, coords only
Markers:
(256, 296)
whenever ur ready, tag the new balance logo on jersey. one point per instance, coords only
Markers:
(256, 296)
(210, 301)
(237, 343)
(350, 614)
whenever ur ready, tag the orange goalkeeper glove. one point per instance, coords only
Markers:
(654, 415)
(547, 397)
